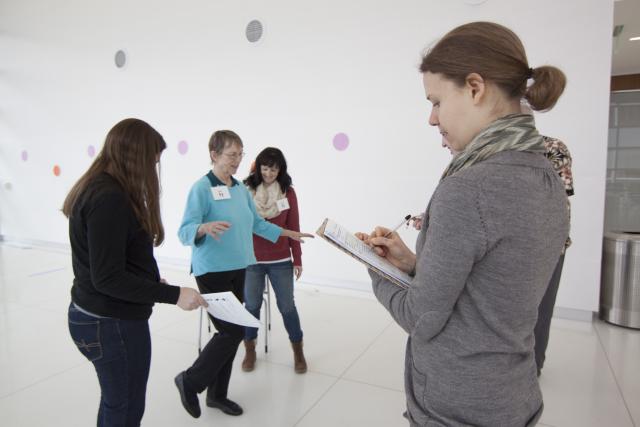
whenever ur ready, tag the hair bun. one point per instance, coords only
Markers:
(548, 84)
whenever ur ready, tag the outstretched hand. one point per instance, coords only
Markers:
(296, 235)
(214, 229)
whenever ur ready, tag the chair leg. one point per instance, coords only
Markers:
(267, 313)
(200, 334)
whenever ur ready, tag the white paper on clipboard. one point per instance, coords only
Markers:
(350, 244)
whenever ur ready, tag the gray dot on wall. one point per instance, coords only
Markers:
(120, 58)
(254, 31)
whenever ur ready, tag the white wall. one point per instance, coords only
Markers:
(321, 68)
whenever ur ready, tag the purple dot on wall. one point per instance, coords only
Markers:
(91, 151)
(24, 155)
(341, 141)
(183, 147)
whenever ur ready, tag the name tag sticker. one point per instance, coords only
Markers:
(220, 192)
(283, 204)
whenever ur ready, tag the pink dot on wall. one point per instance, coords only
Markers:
(183, 147)
(56, 170)
(91, 151)
(24, 155)
(340, 141)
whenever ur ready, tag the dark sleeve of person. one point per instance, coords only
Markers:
(108, 222)
(293, 223)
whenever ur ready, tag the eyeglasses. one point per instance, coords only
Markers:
(234, 156)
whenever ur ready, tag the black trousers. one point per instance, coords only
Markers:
(545, 312)
(212, 369)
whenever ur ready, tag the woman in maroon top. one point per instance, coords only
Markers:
(276, 201)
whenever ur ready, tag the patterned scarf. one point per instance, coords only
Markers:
(266, 200)
(515, 132)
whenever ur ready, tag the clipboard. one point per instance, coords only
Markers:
(347, 242)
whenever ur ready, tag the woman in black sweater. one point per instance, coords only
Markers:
(114, 223)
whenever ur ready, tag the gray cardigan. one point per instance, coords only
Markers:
(491, 239)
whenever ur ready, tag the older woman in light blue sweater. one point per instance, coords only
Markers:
(490, 238)
(218, 223)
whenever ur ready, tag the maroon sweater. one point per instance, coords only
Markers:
(284, 247)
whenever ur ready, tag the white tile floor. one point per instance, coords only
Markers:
(354, 350)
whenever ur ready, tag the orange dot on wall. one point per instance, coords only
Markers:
(56, 170)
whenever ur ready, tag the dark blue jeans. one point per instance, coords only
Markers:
(120, 351)
(281, 278)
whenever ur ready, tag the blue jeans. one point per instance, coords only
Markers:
(120, 351)
(281, 278)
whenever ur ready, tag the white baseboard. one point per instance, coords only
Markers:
(174, 263)
(308, 283)
(18, 242)
(573, 314)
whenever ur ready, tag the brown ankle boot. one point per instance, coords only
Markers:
(299, 363)
(249, 362)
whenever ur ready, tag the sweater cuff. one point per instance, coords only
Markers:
(171, 294)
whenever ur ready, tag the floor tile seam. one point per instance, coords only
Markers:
(35, 247)
(36, 307)
(318, 400)
(381, 387)
(331, 387)
(20, 390)
(262, 359)
(272, 362)
(16, 277)
(50, 271)
(302, 417)
(615, 377)
(373, 341)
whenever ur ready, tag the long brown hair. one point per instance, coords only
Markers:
(129, 155)
(497, 54)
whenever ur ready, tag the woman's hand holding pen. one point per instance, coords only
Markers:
(388, 244)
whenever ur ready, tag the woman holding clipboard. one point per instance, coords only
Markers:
(490, 238)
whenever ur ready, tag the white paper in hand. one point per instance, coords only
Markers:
(225, 306)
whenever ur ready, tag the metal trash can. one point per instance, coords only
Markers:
(620, 279)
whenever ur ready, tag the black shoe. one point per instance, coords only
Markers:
(227, 406)
(189, 397)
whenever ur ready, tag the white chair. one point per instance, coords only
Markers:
(266, 298)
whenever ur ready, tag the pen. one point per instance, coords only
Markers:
(404, 220)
